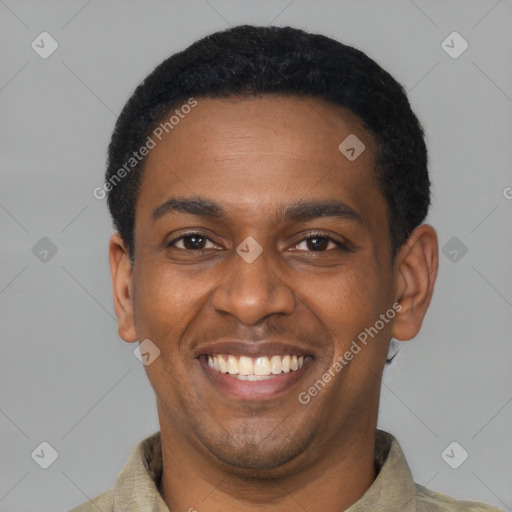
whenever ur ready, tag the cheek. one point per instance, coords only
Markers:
(167, 299)
(349, 297)
(349, 303)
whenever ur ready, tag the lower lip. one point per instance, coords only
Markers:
(254, 389)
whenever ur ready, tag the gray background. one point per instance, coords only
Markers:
(68, 379)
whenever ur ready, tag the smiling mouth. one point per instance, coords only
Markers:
(254, 376)
(255, 368)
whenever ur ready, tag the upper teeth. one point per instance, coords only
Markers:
(254, 366)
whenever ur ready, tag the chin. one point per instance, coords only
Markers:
(258, 453)
(251, 459)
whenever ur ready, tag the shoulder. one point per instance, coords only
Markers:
(103, 502)
(430, 501)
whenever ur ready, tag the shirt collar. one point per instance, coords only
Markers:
(136, 487)
(394, 487)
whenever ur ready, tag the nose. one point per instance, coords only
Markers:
(252, 291)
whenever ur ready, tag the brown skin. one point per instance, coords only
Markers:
(250, 156)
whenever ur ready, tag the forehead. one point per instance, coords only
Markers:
(261, 153)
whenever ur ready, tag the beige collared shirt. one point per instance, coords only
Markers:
(394, 490)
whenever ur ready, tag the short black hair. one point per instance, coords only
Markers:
(249, 60)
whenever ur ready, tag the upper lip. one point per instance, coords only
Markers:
(251, 348)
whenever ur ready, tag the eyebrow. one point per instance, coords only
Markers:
(299, 211)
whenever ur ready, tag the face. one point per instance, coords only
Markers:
(261, 253)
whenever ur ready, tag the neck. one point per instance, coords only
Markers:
(331, 483)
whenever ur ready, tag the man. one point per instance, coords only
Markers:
(268, 188)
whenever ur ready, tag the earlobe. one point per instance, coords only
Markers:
(121, 271)
(416, 272)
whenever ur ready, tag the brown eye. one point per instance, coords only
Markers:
(194, 242)
(190, 242)
(317, 243)
(320, 243)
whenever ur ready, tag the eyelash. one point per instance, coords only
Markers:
(316, 234)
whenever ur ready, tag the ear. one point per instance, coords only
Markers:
(416, 270)
(121, 270)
